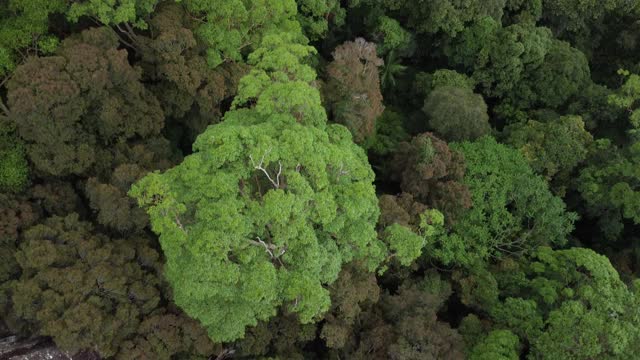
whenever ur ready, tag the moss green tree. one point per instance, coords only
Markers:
(457, 114)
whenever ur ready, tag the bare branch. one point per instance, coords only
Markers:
(4, 108)
(276, 182)
(180, 224)
(267, 247)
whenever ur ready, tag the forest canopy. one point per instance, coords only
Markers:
(321, 179)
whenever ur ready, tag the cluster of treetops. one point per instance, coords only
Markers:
(322, 179)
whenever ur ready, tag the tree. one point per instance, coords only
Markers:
(232, 28)
(406, 325)
(315, 16)
(432, 173)
(554, 290)
(497, 345)
(513, 210)
(425, 83)
(353, 292)
(114, 12)
(581, 21)
(448, 16)
(565, 71)
(353, 88)
(268, 207)
(70, 108)
(190, 92)
(288, 183)
(513, 63)
(553, 148)
(609, 182)
(82, 288)
(500, 57)
(388, 134)
(457, 114)
(166, 336)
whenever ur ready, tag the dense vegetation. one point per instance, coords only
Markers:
(322, 179)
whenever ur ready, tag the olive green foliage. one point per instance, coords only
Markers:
(582, 20)
(355, 291)
(553, 148)
(520, 63)
(625, 98)
(14, 170)
(230, 29)
(190, 92)
(499, 58)
(292, 200)
(352, 92)
(563, 74)
(82, 288)
(166, 336)
(425, 83)
(457, 114)
(405, 325)
(557, 290)
(513, 210)
(71, 107)
(447, 16)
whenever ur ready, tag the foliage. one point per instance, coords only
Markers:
(82, 288)
(513, 210)
(405, 325)
(447, 16)
(231, 28)
(553, 148)
(609, 186)
(14, 170)
(114, 11)
(557, 289)
(24, 26)
(292, 198)
(497, 345)
(457, 114)
(71, 107)
(392, 36)
(353, 88)
(299, 216)
(425, 83)
(432, 173)
(315, 16)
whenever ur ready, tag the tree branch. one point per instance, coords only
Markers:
(276, 182)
